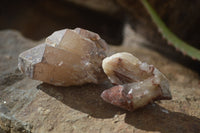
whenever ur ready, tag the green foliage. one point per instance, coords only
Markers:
(169, 36)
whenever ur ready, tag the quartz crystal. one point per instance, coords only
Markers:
(76, 57)
(68, 57)
(137, 83)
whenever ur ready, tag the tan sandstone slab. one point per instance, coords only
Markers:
(30, 106)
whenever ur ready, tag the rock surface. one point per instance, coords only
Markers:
(31, 106)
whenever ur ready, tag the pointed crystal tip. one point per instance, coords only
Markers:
(68, 57)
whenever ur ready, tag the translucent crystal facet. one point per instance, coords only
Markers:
(68, 57)
(137, 83)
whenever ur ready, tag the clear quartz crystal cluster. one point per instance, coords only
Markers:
(76, 57)
(137, 83)
(68, 57)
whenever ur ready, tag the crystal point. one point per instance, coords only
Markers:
(137, 83)
(68, 57)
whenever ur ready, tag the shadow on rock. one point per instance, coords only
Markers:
(156, 118)
(87, 99)
(84, 98)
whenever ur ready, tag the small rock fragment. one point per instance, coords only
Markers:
(68, 57)
(137, 83)
(124, 68)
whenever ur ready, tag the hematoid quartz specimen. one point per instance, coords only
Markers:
(137, 83)
(68, 57)
(74, 57)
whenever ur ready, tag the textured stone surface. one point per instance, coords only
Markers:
(29, 106)
(12, 43)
